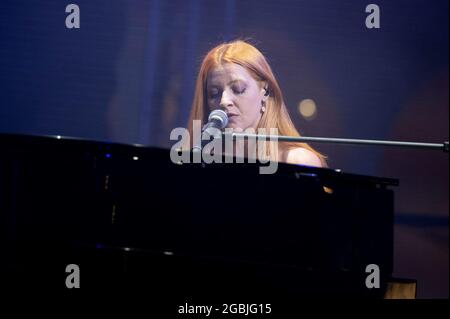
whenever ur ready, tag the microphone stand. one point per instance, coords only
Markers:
(433, 146)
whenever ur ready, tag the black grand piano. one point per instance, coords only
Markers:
(130, 217)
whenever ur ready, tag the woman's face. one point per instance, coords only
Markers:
(230, 87)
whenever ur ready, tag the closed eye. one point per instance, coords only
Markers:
(239, 91)
(213, 95)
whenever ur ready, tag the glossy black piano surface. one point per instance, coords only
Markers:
(127, 215)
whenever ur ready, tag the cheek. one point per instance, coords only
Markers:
(250, 106)
(211, 104)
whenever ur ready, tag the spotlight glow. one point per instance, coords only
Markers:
(307, 108)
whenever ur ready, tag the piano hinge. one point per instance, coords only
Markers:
(106, 182)
(113, 214)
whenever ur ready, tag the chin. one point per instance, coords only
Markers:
(234, 126)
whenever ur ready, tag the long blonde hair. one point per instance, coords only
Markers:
(250, 58)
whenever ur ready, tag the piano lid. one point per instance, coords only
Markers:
(57, 143)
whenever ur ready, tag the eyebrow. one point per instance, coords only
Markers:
(236, 80)
(231, 82)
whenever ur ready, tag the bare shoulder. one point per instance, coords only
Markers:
(302, 156)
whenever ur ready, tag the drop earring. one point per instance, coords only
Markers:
(263, 106)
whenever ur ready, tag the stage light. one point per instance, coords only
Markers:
(307, 108)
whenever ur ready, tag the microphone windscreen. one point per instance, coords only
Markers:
(219, 117)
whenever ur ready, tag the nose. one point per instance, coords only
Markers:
(225, 100)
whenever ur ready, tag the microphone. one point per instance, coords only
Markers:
(217, 119)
